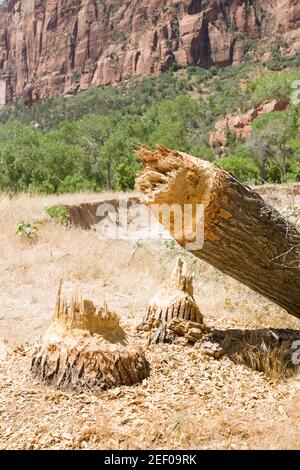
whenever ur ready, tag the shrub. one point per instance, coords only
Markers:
(29, 230)
(126, 175)
(243, 168)
(59, 213)
(214, 70)
(273, 85)
(76, 182)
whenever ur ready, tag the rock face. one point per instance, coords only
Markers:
(51, 47)
(240, 125)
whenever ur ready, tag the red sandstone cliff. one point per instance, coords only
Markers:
(240, 124)
(50, 47)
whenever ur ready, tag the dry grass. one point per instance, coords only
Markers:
(259, 350)
(189, 400)
(274, 362)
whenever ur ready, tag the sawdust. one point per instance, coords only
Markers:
(190, 400)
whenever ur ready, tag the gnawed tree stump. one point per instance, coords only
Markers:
(85, 348)
(244, 236)
(174, 300)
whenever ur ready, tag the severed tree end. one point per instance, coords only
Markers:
(174, 301)
(85, 348)
(170, 176)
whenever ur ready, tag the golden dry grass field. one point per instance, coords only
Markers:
(189, 400)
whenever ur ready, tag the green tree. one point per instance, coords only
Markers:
(242, 167)
(273, 85)
(270, 141)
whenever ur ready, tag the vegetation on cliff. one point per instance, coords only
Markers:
(87, 141)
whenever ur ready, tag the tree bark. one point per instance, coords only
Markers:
(244, 236)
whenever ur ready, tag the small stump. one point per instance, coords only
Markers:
(85, 348)
(174, 301)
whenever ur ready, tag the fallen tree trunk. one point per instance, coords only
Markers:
(244, 236)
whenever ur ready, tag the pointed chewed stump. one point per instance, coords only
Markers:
(175, 300)
(85, 348)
